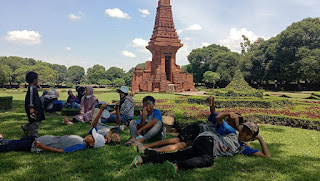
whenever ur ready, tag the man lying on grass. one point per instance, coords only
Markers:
(65, 144)
(189, 133)
(149, 126)
(218, 142)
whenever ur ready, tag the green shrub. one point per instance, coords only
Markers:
(256, 103)
(51, 84)
(70, 112)
(5, 103)
(284, 121)
(69, 85)
(278, 120)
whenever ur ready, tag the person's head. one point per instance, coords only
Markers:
(113, 139)
(32, 78)
(95, 140)
(123, 91)
(70, 93)
(88, 91)
(248, 131)
(80, 91)
(149, 102)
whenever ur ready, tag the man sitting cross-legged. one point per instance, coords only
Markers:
(149, 126)
(189, 133)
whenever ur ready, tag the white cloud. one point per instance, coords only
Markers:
(24, 36)
(67, 49)
(187, 38)
(306, 2)
(128, 54)
(144, 12)
(205, 44)
(76, 16)
(117, 13)
(235, 38)
(139, 42)
(194, 27)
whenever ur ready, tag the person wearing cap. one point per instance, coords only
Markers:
(110, 133)
(59, 144)
(126, 107)
(219, 140)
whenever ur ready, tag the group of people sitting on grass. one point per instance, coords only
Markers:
(198, 144)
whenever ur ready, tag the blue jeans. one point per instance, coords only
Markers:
(113, 119)
(75, 105)
(23, 144)
(154, 133)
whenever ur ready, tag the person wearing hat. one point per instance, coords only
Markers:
(126, 107)
(220, 140)
(59, 144)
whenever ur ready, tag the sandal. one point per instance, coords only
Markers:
(140, 148)
(26, 132)
(170, 169)
(135, 162)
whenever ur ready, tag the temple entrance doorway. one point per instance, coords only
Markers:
(168, 68)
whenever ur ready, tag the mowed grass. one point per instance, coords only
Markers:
(295, 155)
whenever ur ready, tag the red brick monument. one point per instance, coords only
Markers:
(162, 74)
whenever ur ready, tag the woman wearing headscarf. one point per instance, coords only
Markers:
(88, 103)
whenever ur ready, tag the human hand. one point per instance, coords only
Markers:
(38, 144)
(144, 113)
(138, 132)
(258, 137)
(210, 99)
(103, 106)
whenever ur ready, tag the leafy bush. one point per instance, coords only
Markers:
(70, 112)
(238, 87)
(256, 103)
(69, 85)
(284, 121)
(5, 103)
(51, 84)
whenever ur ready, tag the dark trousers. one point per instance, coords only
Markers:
(200, 155)
(23, 144)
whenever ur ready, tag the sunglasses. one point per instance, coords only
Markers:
(147, 103)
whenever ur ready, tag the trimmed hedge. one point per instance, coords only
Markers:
(181, 123)
(284, 121)
(69, 112)
(5, 103)
(261, 103)
(232, 93)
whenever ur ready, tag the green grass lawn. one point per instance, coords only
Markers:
(295, 155)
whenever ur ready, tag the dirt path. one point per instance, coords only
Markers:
(195, 93)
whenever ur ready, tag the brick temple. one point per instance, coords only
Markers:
(162, 74)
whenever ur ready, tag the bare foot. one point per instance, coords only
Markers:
(67, 122)
(131, 141)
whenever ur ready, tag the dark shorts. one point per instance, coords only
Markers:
(189, 133)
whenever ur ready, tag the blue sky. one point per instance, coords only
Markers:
(115, 32)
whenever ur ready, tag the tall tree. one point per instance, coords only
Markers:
(211, 77)
(114, 72)
(96, 73)
(75, 73)
(45, 73)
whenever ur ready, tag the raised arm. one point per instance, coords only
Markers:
(96, 120)
(265, 151)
